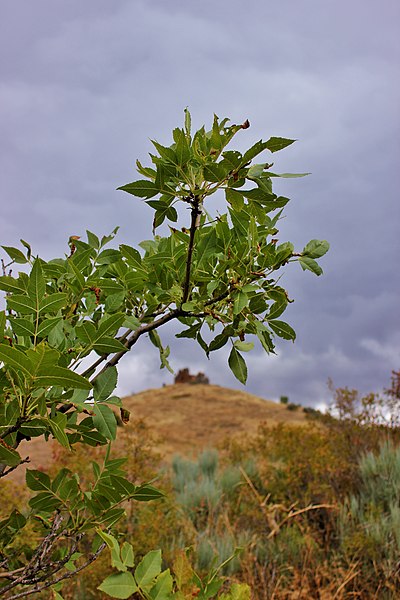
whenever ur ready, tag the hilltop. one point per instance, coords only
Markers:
(188, 418)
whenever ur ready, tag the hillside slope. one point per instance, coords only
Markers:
(185, 419)
(189, 418)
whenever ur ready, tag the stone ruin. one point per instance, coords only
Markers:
(184, 376)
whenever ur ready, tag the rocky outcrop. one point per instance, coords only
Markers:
(184, 376)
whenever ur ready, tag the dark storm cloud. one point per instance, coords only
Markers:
(85, 85)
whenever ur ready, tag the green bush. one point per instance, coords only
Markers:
(370, 520)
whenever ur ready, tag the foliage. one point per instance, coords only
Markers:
(69, 321)
(150, 582)
(370, 519)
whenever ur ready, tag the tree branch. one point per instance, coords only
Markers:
(68, 575)
(136, 335)
(5, 472)
(194, 224)
(13, 428)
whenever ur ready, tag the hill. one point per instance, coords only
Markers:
(186, 418)
(189, 418)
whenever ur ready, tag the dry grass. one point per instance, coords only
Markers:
(188, 418)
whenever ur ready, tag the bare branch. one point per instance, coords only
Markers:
(63, 577)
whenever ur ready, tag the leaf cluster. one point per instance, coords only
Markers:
(67, 322)
(150, 582)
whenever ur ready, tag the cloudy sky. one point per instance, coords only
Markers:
(84, 85)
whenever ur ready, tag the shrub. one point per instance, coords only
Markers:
(370, 520)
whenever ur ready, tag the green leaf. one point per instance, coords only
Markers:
(22, 327)
(141, 188)
(282, 329)
(57, 425)
(257, 304)
(114, 301)
(127, 555)
(191, 332)
(265, 338)
(218, 342)
(243, 346)
(105, 383)
(36, 285)
(42, 357)
(131, 322)
(53, 303)
(256, 171)
(28, 248)
(93, 240)
(104, 420)
(47, 326)
(22, 304)
(33, 428)
(16, 359)
(309, 264)
(113, 545)
(132, 256)
(254, 151)
(182, 149)
(275, 144)
(316, 248)
(188, 306)
(146, 171)
(45, 502)
(119, 585)
(215, 172)
(165, 152)
(8, 455)
(235, 199)
(238, 365)
(59, 376)
(148, 569)
(162, 590)
(3, 320)
(287, 175)
(108, 257)
(240, 302)
(11, 525)
(109, 325)
(188, 122)
(108, 345)
(10, 284)
(146, 492)
(163, 211)
(15, 255)
(207, 244)
(37, 480)
(81, 259)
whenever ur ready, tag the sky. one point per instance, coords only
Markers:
(85, 85)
